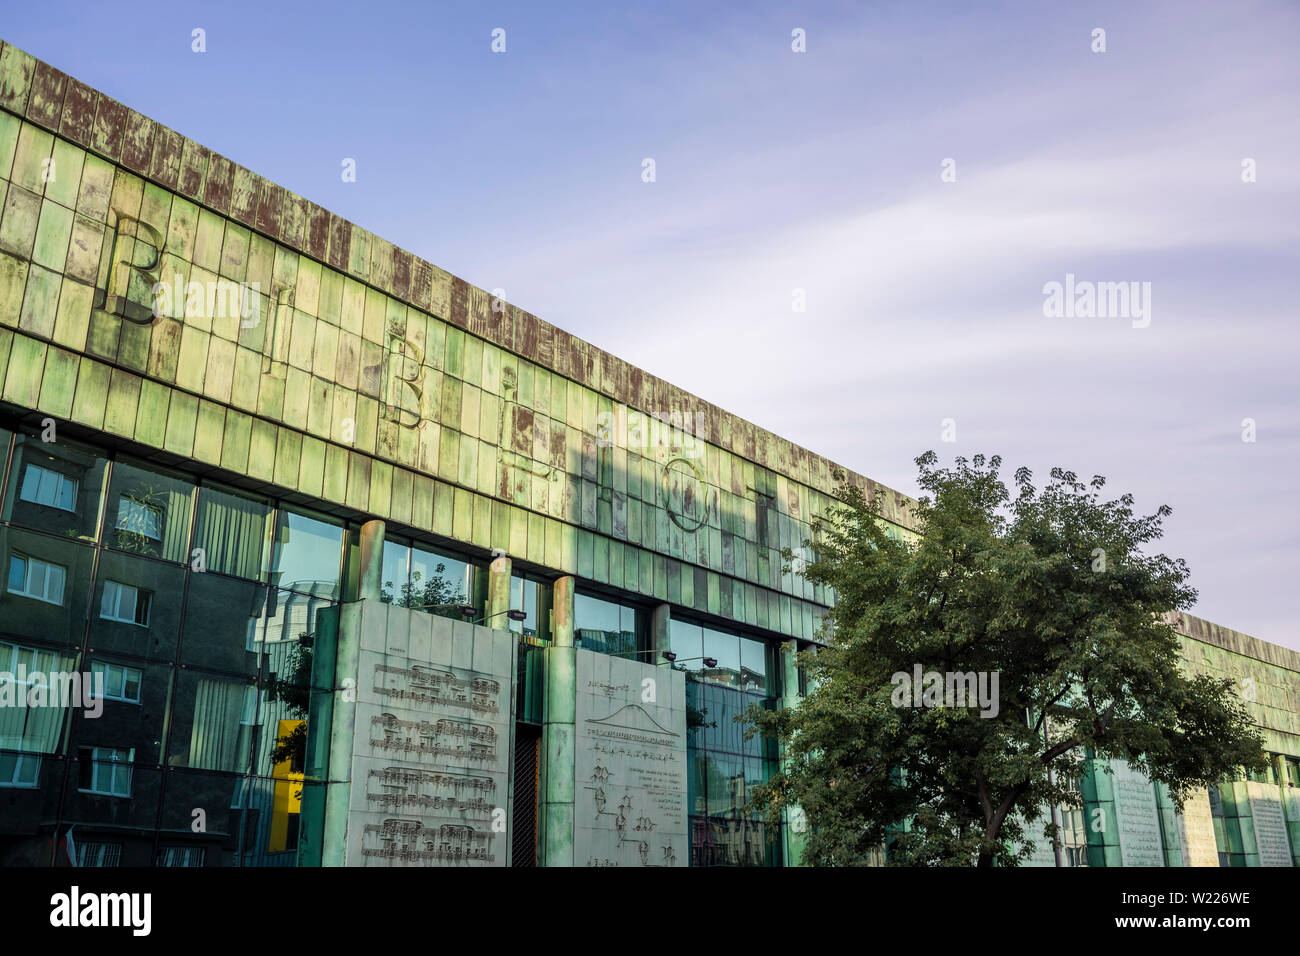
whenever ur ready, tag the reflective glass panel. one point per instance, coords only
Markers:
(149, 512)
(231, 532)
(308, 553)
(439, 584)
(530, 597)
(725, 648)
(137, 606)
(47, 587)
(753, 666)
(604, 626)
(687, 642)
(55, 486)
(395, 579)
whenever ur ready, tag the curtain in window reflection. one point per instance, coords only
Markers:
(223, 725)
(231, 531)
(30, 729)
(176, 526)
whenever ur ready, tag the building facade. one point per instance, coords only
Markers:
(377, 569)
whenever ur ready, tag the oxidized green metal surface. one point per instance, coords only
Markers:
(356, 373)
(1267, 676)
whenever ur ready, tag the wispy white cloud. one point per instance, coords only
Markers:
(820, 171)
(924, 301)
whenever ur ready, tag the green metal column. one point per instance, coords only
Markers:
(793, 817)
(372, 560)
(559, 712)
(660, 639)
(498, 603)
(1288, 806)
(1245, 823)
(343, 712)
(316, 765)
(498, 598)
(1169, 827)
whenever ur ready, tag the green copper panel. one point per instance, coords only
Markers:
(289, 448)
(151, 413)
(261, 450)
(208, 432)
(59, 384)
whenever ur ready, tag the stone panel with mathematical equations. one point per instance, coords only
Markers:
(1043, 853)
(630, 763)
(1271, 839)
(1140, 843)
(432, 742)
(1196, 831)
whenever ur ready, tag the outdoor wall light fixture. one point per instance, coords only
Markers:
(708, 661)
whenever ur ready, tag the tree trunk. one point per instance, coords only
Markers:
(994, 829)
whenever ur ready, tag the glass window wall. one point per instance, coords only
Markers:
(308, 553)
(607, 627)
(160, 586)
(725, 674)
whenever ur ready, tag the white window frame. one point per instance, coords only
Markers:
(22, 761)
(98, 760)
(39, 473)
(124, 513)
(27, 577)
(99, 854)
(180, 856)
(118, 591)
(107, 669)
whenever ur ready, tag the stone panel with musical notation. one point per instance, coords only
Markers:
(432, 743)
(1271, 838)
(630, 764)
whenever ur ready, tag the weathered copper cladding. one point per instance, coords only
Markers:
(51, 99)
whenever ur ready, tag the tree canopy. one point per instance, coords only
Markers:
(1048, 599)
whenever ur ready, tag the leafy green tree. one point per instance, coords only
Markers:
(295, 691)
(437, 594)
(1052, 591)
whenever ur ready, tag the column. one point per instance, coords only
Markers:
(498, 597)
(344, 697)
(1290, 805)
(660, 633)
(559, 711)
(795, 823)
(371, 572)
(342, 729)
(562, 612)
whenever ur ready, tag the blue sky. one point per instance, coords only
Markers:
(820, 171)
